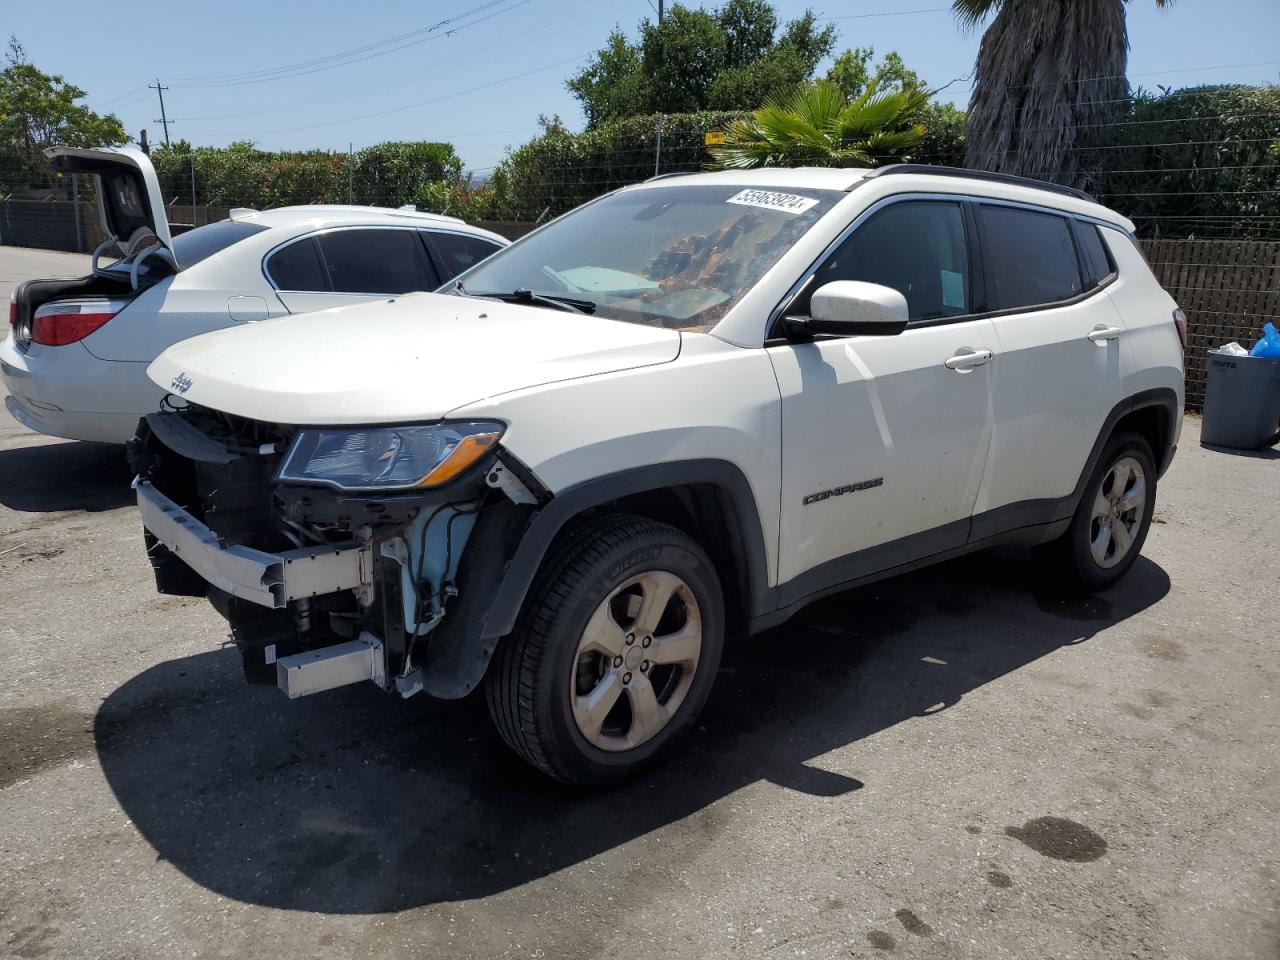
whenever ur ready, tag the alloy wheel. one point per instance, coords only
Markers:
(1118, 510)
(636, 660)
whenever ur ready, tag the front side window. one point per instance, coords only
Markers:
(375, 261)
(918, 248)
(1031, 257)
(668, 256)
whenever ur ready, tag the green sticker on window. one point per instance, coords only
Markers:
(952, 289)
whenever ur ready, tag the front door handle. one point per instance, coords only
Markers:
(966, 359)
(1101, 334)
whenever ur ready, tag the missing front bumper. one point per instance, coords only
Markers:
(269, 580)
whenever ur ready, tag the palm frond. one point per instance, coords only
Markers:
(971, 13)
(815, 125)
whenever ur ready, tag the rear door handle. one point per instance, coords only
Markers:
(966, 359)
(1104, 334)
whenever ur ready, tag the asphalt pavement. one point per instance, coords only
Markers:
(952, 764)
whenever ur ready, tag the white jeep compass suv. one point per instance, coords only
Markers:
(684, 410)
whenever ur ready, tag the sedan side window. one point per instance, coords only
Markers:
(460, 253)
(376, 261)
(918, 248)
(1031, 257)
(298, 267)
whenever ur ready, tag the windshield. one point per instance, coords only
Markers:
(199, 244)
(671, 256)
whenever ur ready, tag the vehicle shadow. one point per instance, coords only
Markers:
(50, 477)
(357, 802)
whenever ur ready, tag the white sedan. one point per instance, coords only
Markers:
(75, 359)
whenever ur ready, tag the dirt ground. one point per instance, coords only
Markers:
(951, 764)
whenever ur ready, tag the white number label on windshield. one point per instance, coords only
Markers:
(786, 202)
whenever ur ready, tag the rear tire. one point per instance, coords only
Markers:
(614, 654)
(1111, 521)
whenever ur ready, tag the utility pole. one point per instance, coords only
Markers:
(657, 150)
(163, 121)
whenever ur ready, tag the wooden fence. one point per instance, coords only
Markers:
(1228, 290)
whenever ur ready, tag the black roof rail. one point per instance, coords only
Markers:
(940, 171)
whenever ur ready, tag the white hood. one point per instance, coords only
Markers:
(409, 359)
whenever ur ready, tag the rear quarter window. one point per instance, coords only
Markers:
(1097, 262)
(1031, 257)
(297, 267)
(460, 253)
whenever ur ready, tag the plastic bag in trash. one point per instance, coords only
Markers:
(1233, 349)
(1269, 345)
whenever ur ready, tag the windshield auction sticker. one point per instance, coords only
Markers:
(786, 202)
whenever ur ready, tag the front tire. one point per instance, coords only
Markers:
(1111, 521)
(614, 654)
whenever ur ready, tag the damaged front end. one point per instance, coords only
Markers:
(336, 555)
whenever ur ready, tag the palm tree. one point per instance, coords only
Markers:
(816, 126)
(1049, 73)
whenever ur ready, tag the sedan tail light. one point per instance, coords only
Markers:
(13, 308)
(66, 321)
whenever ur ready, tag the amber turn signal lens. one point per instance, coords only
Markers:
(467, 452)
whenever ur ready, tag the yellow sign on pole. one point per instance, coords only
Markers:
(714, 138)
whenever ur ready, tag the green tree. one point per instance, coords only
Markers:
(818, 126)
(852, 72)
(1048, 74)
(39, 110)
(729, 58)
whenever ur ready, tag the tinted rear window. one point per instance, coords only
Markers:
(203, 242)
(199, 244)
(1032, 258)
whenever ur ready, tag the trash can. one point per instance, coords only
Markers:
(1241, 402)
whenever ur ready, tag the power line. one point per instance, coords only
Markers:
(422, 103)
(888, 13)
(359, 54)
(487, 50)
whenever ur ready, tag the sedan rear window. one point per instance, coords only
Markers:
(195, 245)
(203, 242)
(668, 256)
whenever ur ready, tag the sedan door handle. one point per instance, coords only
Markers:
(1102, 334)
(966, 359)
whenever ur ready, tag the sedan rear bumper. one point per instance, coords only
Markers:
(266, 579)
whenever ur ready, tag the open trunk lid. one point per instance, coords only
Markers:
(130, 204)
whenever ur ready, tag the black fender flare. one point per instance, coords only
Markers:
(507, 548)
(1163, 397)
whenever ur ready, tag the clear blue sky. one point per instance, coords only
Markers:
(483, 85)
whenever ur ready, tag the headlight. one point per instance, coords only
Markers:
(388, 458)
